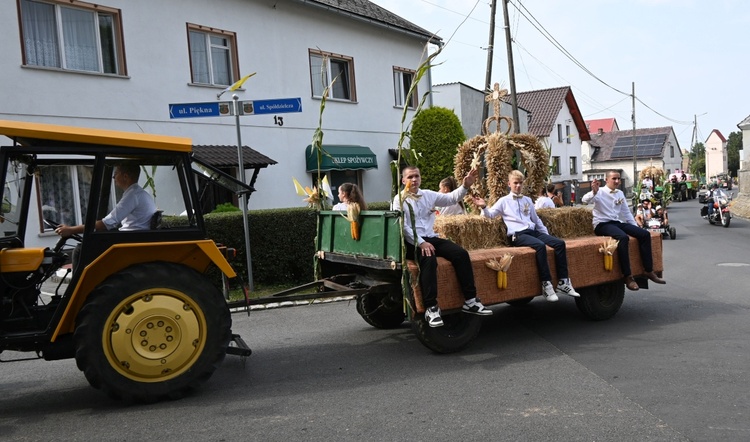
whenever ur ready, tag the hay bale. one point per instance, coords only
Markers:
(568, 222)
(474, 232)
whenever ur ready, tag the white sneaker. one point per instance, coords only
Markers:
(548, 291)
(432, 316)
(564, 288)
(475, 307)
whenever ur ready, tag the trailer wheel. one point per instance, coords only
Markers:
(602, 301)
(152, 331)
(380, 310)
(458, 331)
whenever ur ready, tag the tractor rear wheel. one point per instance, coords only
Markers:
(152, 331)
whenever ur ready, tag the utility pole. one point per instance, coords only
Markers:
(488, 76)
(635, 145)
(511, 69)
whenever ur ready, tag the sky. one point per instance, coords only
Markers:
(689, 59)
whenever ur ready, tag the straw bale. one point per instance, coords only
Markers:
(474, 232)
(568, 222)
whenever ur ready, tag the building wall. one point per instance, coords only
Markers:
(569, 147)
(468, 103)
(716, 155)
(269, 42)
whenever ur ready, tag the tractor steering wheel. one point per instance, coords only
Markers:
(61, 241)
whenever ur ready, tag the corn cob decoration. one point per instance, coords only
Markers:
(406, 193)
(608, 249)
(501, 267)
(352, 215)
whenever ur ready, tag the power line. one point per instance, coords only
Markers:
(539, 27)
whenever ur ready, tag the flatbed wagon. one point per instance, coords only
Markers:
(372, 269)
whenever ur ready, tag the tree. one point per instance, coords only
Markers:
(734, 145)
(436, 133)
(698, 159)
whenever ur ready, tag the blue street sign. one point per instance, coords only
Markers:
(193, 110)
(276, 106)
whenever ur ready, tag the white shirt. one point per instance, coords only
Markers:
(517, 212)
(609, 206)
(424, 216)
(340, 206)
(544, 202)
(133, 211)
(455, 209)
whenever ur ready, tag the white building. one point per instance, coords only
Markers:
(467, 103)
(120, 64)
(717, 156)
(557, 121)
(614, 151)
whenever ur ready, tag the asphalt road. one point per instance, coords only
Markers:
(672, 365)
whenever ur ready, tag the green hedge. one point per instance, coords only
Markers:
(282, 243)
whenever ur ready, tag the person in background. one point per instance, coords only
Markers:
(712, 193)
(525, 229)
(644, 214)
(648, 184)
(423, 244)
(612, 217)
(661, 215)
(448, 185)
(547, 199)
(350, 193)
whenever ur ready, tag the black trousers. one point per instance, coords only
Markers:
(622, 232)
(539, 242)
(428, 268)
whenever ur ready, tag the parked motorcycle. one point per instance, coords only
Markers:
(720, 200)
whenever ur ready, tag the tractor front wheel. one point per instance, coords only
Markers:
(152, 331)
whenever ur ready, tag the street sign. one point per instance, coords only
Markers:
(276, 106)
(193, 110)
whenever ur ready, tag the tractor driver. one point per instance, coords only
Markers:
(134, 210)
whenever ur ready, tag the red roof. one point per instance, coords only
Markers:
(718, 134)
(545, 106)
(605, 124)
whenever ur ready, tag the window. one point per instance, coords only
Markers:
(213, 56)
(671, 151)
(559, 133)
(64, 187)
(573, 165)
(555, 166)
(324, 68)
(567, 134)
(73, 35)
(402, 79)
(64, 192)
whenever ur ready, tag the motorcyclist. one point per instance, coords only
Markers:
(713, 191)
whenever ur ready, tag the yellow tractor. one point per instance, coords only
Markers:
(138, 313)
